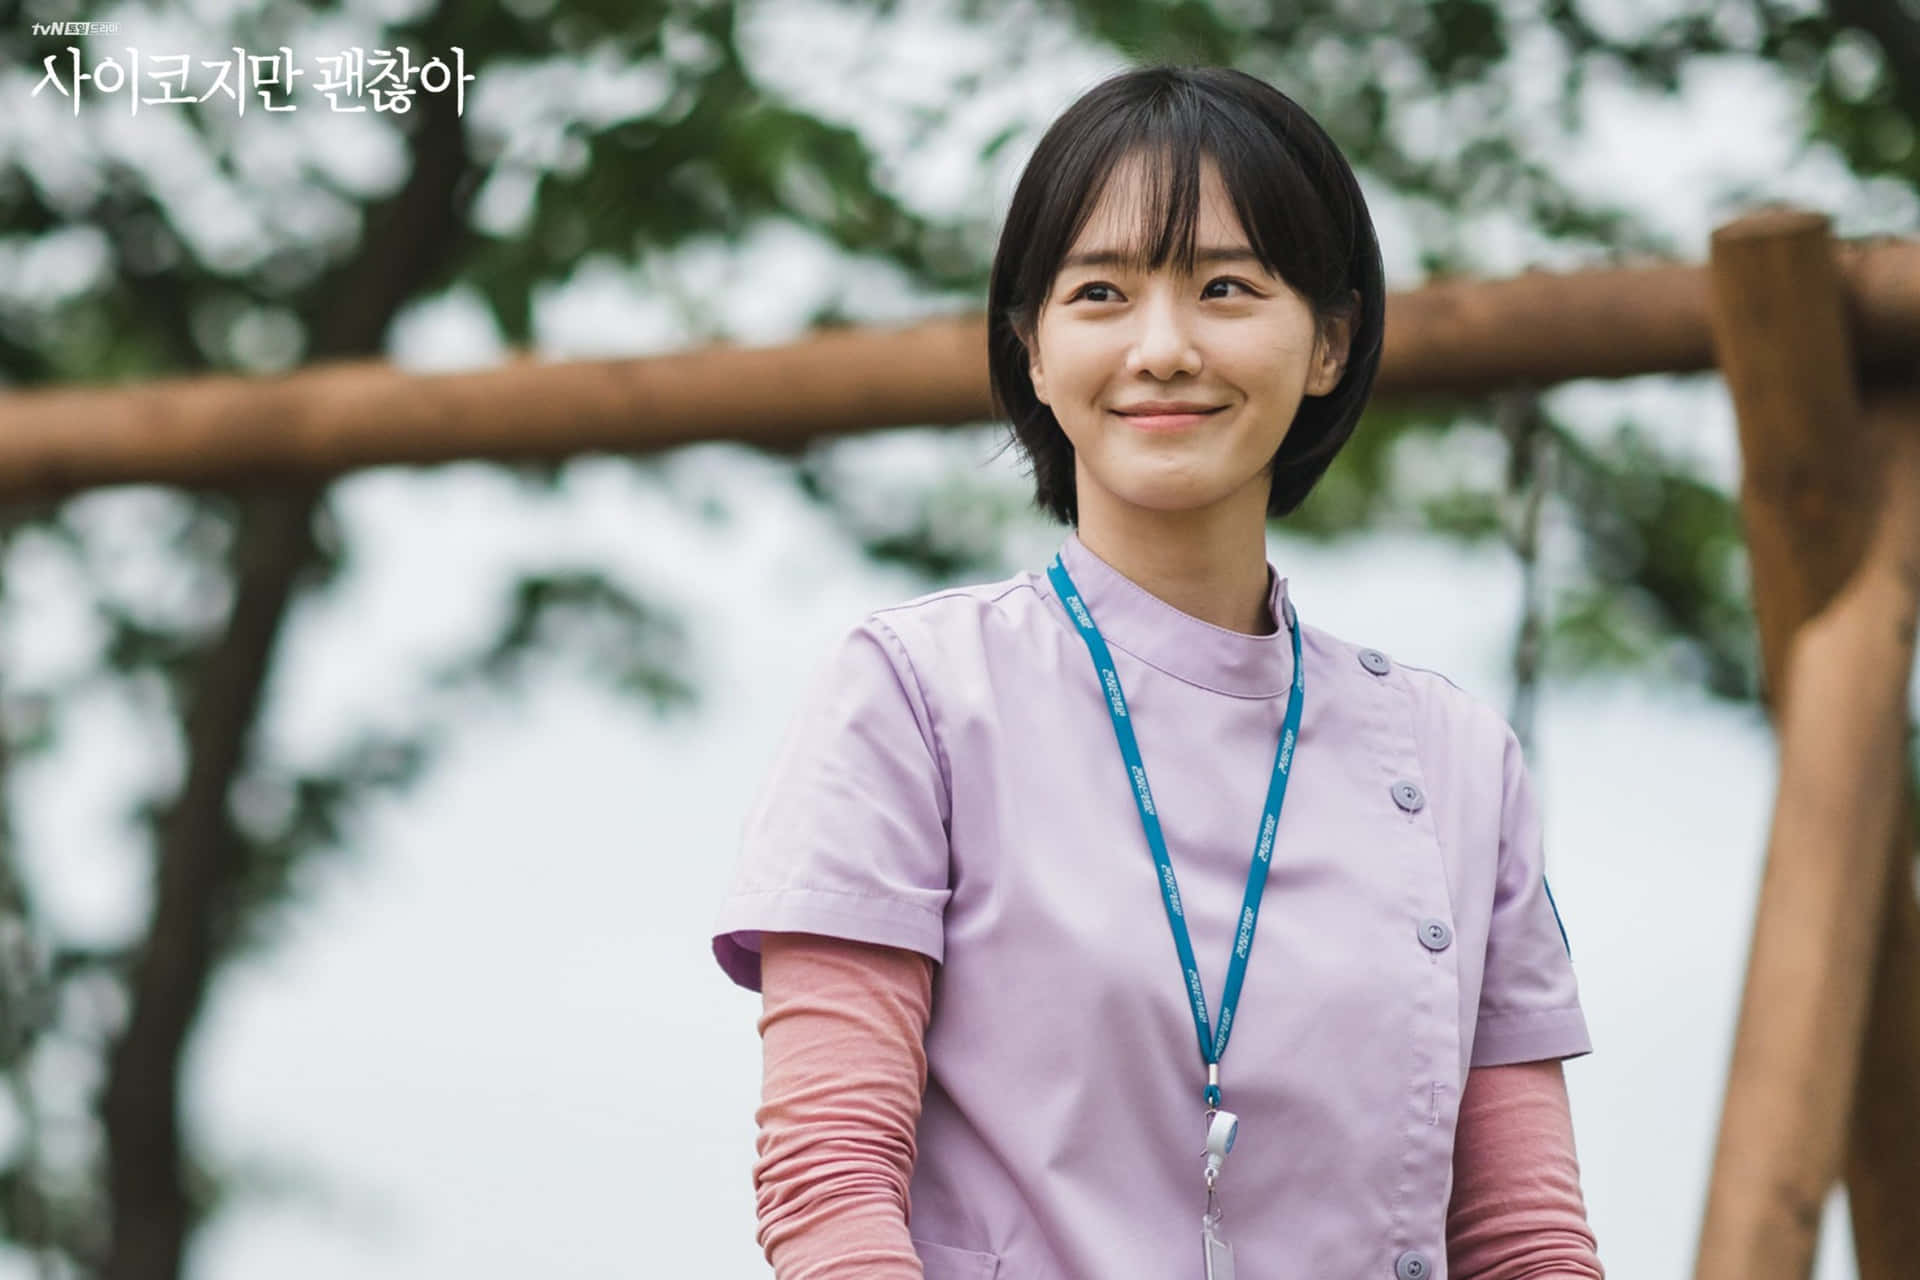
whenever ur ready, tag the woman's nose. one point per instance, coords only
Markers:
(1163, 339)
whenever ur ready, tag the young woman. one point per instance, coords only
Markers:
(1024, 830)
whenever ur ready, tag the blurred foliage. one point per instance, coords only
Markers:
(1422, 94)
(715, 156)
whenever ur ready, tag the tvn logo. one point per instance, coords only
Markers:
(75, 28)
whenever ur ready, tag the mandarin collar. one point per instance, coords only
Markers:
(1183, 646)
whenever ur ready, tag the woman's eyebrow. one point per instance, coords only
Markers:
(1115, 258)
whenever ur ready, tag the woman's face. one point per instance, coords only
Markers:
(1113, 342)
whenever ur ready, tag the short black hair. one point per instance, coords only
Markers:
(1295, 195)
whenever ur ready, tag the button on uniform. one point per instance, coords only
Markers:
(1375, 661)
(1409, 796)
(1412, 1265)
(1435, 934)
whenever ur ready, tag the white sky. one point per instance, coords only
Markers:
(496, 1044)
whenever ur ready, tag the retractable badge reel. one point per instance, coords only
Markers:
(1222, 1128)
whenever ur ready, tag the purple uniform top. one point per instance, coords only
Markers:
(953, 787)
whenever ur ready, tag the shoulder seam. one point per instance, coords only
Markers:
(948, 593)
(1414, 666)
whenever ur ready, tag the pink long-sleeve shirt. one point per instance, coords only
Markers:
(842, 1029)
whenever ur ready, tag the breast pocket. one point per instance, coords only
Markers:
(944, 1262)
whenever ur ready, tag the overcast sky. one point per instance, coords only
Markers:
(495, 1043)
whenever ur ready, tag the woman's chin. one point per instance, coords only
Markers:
(1171, 497)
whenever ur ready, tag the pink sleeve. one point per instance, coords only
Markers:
(1517, 1212)
(842, 1031)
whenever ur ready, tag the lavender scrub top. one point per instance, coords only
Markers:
(952, 786)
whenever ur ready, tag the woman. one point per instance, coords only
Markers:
(1003, 801)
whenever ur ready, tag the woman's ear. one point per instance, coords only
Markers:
(1035, 375)
(1330, 352)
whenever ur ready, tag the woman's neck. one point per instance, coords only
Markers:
(1209, 564)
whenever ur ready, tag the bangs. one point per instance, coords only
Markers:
(1165, 145)
(1165, 206)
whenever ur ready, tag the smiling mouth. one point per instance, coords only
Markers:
(1166, 421)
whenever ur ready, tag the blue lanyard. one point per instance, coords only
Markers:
(1213, 1044)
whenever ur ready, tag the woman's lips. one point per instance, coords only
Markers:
(1166, 421)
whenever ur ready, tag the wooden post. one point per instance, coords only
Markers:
(1831, 502)
(1883, 1152)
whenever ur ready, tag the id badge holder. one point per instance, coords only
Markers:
(1219, 1253)
(1222, 1128)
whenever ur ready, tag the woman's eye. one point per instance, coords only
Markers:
(1095, 292)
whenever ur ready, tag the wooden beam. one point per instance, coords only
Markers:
(1449, 338)
(1830, 496)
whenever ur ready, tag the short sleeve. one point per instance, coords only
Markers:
(1529, 1001)
(848, 834)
